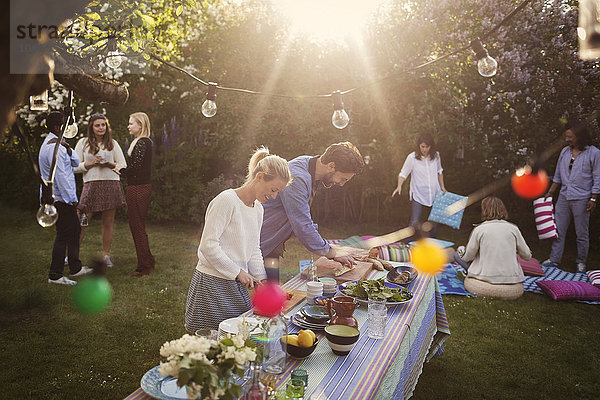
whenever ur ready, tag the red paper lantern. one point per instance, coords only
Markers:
(529, 185)
(268, 300)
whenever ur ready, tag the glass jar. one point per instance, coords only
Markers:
(273, 347)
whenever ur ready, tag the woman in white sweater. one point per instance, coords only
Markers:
(229, 258)
(494, 269)
(100, 155)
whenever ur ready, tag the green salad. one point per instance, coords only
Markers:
(376, 288)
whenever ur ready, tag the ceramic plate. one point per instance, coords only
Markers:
(366, 302)
(231, 325)
(315, 312)
(298, 320)
(401, 268)
(162, 387)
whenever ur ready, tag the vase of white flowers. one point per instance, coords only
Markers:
(207, 367)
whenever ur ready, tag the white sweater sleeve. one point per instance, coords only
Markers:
(256, 265)
(119, 156)
(218, 215)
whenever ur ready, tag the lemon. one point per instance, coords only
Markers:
(314, 337)
(292, 339)
(305, 339)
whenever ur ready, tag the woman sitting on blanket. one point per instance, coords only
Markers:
(492, 266)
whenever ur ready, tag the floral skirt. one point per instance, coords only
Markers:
(101, 195)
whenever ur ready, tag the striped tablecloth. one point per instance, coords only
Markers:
(374, 369)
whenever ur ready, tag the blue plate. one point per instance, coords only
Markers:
(366, 302)
(162, 387)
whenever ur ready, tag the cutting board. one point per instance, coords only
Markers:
(357, 273)
(297, 297)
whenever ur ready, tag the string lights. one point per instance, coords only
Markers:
(340, 118)
(209, 107)
(486, 65)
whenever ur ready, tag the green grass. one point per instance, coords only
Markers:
(529, 348)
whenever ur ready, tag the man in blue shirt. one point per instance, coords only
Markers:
(290, 211)
(578, 172)
(65, 201)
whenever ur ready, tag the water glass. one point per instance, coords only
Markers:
(84, 220)
(377, 318)
(301, 374)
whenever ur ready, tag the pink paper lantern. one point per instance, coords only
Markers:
(268, 300)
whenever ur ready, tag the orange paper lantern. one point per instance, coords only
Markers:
(529, 185)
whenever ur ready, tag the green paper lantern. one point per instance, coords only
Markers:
(92, 295)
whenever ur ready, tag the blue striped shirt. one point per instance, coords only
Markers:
(64, 187)
(584, 177)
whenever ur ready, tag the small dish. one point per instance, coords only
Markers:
(395, 275)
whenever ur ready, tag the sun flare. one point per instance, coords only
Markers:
(323, 20)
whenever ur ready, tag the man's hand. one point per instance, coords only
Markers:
(397, 191)
(348, 261)
(591, 205)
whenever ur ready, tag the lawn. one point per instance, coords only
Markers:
(529, 348)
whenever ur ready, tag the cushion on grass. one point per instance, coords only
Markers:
(569, 290)
(394, 252)
(531, 267)
(594, 277)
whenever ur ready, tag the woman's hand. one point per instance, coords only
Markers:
(397, 191)
(247, 280)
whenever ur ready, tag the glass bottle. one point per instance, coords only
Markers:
(257, 390)
(274, 350)
(84, 219)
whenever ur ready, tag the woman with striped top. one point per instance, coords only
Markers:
(229, 257)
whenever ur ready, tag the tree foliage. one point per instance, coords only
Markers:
(499, 122)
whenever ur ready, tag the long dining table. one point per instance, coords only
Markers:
(387, 368)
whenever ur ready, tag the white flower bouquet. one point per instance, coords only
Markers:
(207, 367)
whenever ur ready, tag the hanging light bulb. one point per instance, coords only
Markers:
(39, 102)
(47, 215)
(71, 131)
(340, 118)
(114, 59)
(209, 107)
(486, 65)
(72, 128)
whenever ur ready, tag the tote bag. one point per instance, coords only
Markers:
(543, 212)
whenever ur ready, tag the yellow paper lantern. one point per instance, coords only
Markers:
(428, 256)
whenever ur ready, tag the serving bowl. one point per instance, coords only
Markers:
(341, 338)
(300, 353)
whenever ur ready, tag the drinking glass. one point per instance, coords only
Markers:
(295, 389)
(300, 374)
(377, 317)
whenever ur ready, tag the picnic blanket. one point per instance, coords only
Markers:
(553, 273)
(449, 283)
